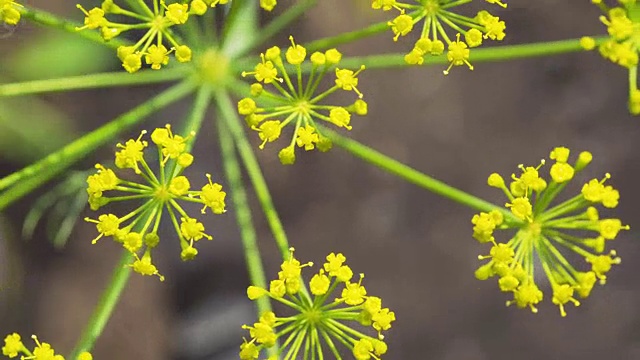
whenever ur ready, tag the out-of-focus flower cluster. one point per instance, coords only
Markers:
(321, 320)
(9, 12)
(296, 100)
(160, 194)
(622, 46)
(542, 231)
(436, 16)
(13, 346)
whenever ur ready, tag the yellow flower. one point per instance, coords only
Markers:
(317, 313)
(542, 230)
(161, 194)
(42, 351)
(296, 99)
(433, 18)
(156, 20)
(622, 46)
(10, 12)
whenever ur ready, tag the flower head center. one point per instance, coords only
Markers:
(158, 23)
(302, 107)
(313, 316)
(431, 6)
(534, 229)
(162, 193)
(214, 67)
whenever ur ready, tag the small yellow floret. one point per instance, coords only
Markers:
(347, 80)
(319, 283)
(94, 18)
(295, 54)
(183, 53)
(521, 208)
(307, 137)
(458, 54)
(588, 43)
(192, 229)
(12, 345)
(156, 56)
(287, 156)
(401, 26)
(177, 13)
(212, 196)
(269, 131)
(268, 5)
(339, 116)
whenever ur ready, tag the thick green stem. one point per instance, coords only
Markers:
(484, 54)
(105, 306)
(29, 178)
(227, 109)
(93, 81)
(413, 176)
(281, 22)
(243, 215)
(47, 19)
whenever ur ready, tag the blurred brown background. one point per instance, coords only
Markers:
(415, 247)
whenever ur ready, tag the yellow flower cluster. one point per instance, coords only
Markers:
(9, 12)
(137, 231)
(436, 16)
(541, 229)
(296, 100)
(319, 321)
(623, 26)
(157, 19)
(13, 346)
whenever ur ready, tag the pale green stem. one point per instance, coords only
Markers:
(93, 81)
(105, 306)
(47, 19)
(484, 54)
(244, 219)
(413, 176)
(228, 112)
(282, 21)
(240, 27)
(197, 114)
(29, 178)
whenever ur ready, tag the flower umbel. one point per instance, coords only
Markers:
(138, 230)
(623, 45)
(543, 230)
(158, 20)
(13, 346)
(436, 16)
(9, 12)
(294, 99)
(320, 320)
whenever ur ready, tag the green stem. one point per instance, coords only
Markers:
(93, 81)
(240, 27)
(281, 22)
(36, 174)
(105, 306)
(413, 176)
(243, 215)
(485, 54)
(229, 115)
(47, 19)
(197, 114)
(326, 43)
